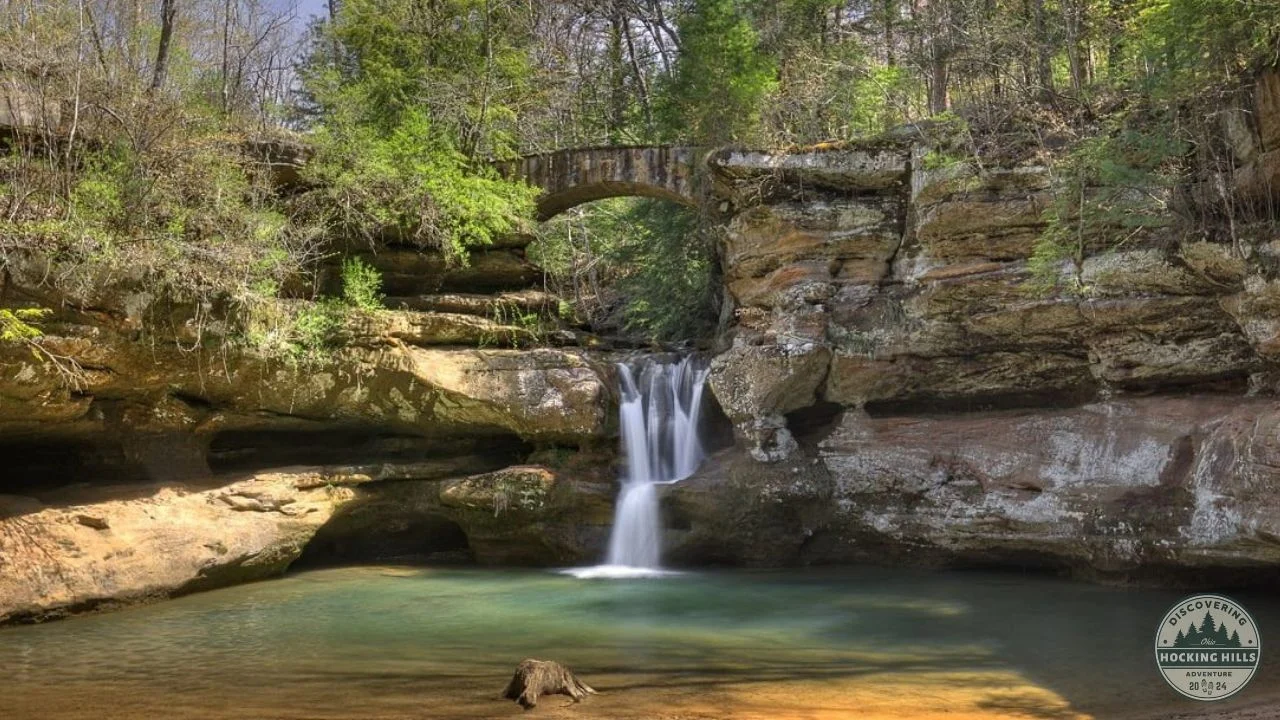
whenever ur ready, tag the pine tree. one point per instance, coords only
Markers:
(1207, 626)
(1235, 639)
(1220, 635)
(1193, 637)
(1179, 640)
(721, 78)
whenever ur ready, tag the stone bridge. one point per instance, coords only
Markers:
(573, 177)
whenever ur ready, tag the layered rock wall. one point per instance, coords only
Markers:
(1164, 489)
(909, 381)
(906, 381)
(151, 450)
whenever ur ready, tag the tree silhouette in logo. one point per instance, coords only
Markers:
(1209, 634)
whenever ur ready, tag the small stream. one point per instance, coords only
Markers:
(391, 642)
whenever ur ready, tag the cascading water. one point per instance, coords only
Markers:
(658, 415)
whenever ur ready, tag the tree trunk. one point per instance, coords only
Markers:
(1044, 71)
(1115, 45)
(534, 678)
(225, 92)
(168, 18)
(1073, 24)
(617, 77)
(641, 82)
(938, 36)
(890, 18)
(938, 80)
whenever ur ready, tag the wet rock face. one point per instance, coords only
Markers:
(1163, 489)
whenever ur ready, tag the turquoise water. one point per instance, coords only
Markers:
(380, 642)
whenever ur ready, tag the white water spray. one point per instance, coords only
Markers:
(658, 417)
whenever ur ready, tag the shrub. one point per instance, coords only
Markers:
(361, 284)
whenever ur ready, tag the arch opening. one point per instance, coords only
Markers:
(553, 204)
(634, 269)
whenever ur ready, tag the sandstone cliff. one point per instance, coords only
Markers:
(905, 388)
(901, 388)
(149, 451)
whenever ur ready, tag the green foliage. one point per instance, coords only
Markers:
(406, 101)
(1142, 151)
(301, 333)
(183, 221)
(19, 325)
(1112, 189)
(1049, 256)
(404, 110)
(835, 91)
(464, 64)
(526, 326)
(646, 267)
(721, 80)
(361, 285)
(314, 327)
(1183, 46)
(411, 185)
(672, 283)
(937, 159)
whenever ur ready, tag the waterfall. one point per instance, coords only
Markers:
(658, 418)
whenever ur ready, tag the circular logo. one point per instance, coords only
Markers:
(1208, 647)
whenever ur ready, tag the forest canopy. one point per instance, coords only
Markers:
(140, 166)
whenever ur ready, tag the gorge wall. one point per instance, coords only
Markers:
(901, 388)
(175, 459)
(904, 387)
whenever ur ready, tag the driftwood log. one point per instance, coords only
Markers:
(543, 677)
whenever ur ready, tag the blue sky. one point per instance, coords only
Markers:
(307, 8)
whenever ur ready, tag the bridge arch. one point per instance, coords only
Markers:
(572, 177)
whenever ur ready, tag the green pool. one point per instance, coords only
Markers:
(390, 642)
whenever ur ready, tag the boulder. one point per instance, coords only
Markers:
(102, 548)
(532, 515)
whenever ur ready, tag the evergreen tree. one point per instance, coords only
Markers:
(1180, 640)
(1207, 627)
(1220, 635)
(1193, 637)
(721, 79)
(408, 96)
(1235, 639)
